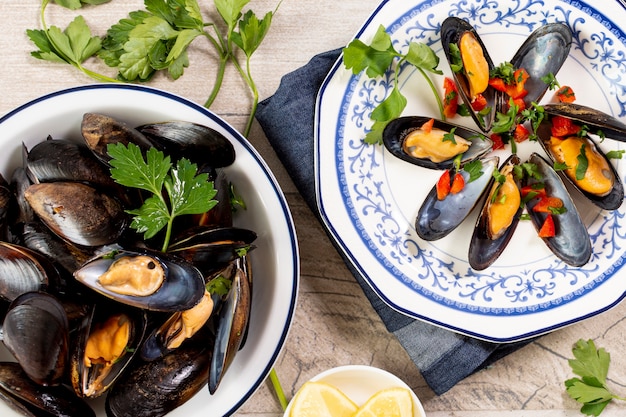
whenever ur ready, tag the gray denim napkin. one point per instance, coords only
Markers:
(287, 118)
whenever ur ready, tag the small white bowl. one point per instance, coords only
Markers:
(360, 382)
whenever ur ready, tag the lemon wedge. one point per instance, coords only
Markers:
(390, 402)
(318, 399)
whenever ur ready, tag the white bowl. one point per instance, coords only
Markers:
(275, 260)
(360, 382)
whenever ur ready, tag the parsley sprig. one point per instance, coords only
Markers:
(375, 59)
(187, 192)
(158, 39)
(590, 387)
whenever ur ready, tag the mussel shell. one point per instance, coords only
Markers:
(99, 131)
(198, 143)
(233, 320)
(81, 376)
(572, 243)
(182, 289)
(611, 201)
(65, 160)
(483, 250)
(23, 270)
(543, 53)
(78, 212)
(595, 119)
(36, 332)
(452, 29)
(155, 388)
(35, 400)
(437, 218)
(397, 130)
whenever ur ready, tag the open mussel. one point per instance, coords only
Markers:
(471, 65)
(610, 126)
(145, 279)
(432, 143)
(571, 242)
(567, 139)
(543, 53)
(438, 217)
(498, 218)
(107, 339)
(36, 332)
(34, 400)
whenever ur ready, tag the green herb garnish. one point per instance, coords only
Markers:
(583, 163)
(449, 136)
(456, 62)
(590, 387)
(187, 192)
(375, 59)
(505, 71)
(474, 169)
(615, 154)
(550, 79)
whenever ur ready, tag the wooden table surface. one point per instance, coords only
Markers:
(333, 320)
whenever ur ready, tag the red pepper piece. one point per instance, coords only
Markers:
(497, 141)
(479, 103)
(443, 185)
(565, 94)
(498, 84)
(521, 133)
(563, 127)
(450, 98)
(428, 126)
(530, 190)
(547, 228)
(546, 203)
(457, 183)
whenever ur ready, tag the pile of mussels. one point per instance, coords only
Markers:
(89, 308)
(542, 54)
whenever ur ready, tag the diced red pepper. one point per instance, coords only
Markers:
(443, 185)
(450, 98)
(458, 183)
(535, 192)
(498, 84)
(516, 89)
(546, 203)
(428, 126)
(547, 228)
(521, 133)
(520, 103)
(497, 141)
(563, 127)
(565, 94)
(479, 103)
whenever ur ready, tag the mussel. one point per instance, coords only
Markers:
(434, 147)
(471, 65)
(34, 400)
(36, 332)
(145, 279)
(498, 218)
(571, 242)
(437, 218)
(587, 167)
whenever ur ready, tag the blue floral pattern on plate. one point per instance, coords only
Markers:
(374, 186)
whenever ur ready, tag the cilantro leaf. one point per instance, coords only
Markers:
(387, 110)
(375, 59)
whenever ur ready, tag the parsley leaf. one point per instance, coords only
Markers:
(590, 388)
(375, 59)
(615, 154)
(187, 192)
(77, 4)
(449, 136)
(550, 79)
(474, 169)
(583, 163)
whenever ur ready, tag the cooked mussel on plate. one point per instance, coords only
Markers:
(91, 307)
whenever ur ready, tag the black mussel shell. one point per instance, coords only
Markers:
(35, 400)
(610, 201)
(572, 243)
(485, 249)
(397, 130)
(437, 218)
(543, 53)
(182, 288)
(198, 143)
(36, 332)
(611, 127)
(452, 29)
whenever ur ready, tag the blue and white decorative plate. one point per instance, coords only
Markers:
(369, 199)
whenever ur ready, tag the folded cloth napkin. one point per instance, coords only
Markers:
(287, 118)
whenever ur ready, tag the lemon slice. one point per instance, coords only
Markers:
(390, 402)
(318, 399)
